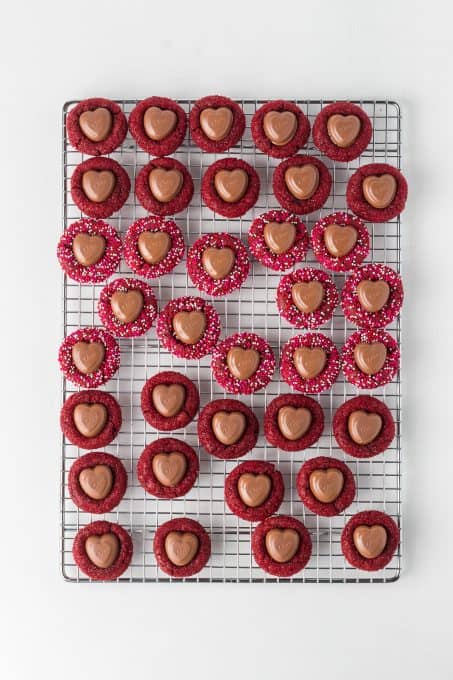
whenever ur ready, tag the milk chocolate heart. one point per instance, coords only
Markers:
(102, 550)
(96, 481)
(165, 185)
(326, 485)
(98, 185)
(293, 423)
(309, 361)
(253, 489)
(364, 427)
(302, 181)
(242, 363)
(96, 125)
(373, 295)
(228, 427)
(181, 547)
(169, 468)
(168, 400)
(282, 544)
(218, 262)
(379, 190)
(127, 305)
(369, 541)
(154, 246)
(279, 237)
(90, 419)
(307, 296)
(159, 123)
(343, 130)
(189, 326)
(88, 249)
(88, 356)
(280, 126)
(339, 241)
(370, 357)
(216, 123)
(231, 185)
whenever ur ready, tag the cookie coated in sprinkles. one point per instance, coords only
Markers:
(320, 382)
(388, 371)
(289, 310)
(208, 338)
(153, 224)
(351, 259)
(356, 313)
(142, 322)
(259, 379)
(222, 243)
(104, 370)
(295, 253)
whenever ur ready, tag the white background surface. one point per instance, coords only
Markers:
(51, 52)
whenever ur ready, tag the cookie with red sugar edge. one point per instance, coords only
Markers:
(297, 140)
(239, 433)
(86, 364)
(291, 244)
(389, 368)
(355, 146)
(178, 479)
(218, 263)
(358, 250)
(171, 123)
(382, 439)
(89, 251)
(114, 130)
(106, 412)
(113, 201)
(286, 198)
(271, 502)
(324, 295)
(308, 426)
(176, 394)
(213, 199)
(182, 526)
(88, 567)
(389, 295)
(202, 330)
(243, 343)
(162, 252)
(231, 130)
(308, 498)
(359, 205)
(370, 518)
(118, 485)
(133, 299)
(263, 558)
(178, 202)
(328, 373)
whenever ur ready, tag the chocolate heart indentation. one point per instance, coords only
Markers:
(279, 237)
(228, 427)
(379, 190)
(364, 427)
(88, 249)
(189, 326)
(127, 305)
(242, 363)
(343, 130)
(293, 423)
(253, 489)
(218, 262)
(88, 356)
(181, 547)
(168, 400)
(307, 296)
(309, 361)
(280, 126)
(370, 541)
(169, 468)
(338, 240)
(165, 185)
(373, 295)
(326, 485)
(97, 481)
(154, 246)
(159, 123)
(90, 419)
(282, 544)
(302, 181)
(98, 185)
(231, 185)
(216, 123)
(370, 357)
(102, 550)
(96, 124)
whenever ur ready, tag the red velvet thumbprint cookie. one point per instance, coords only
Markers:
(216, 123)
(182, 547)
(307, 298)
(102, 550)
(188, 327)
(340, 242)
(167, 468)
(97, 482)
(363, 427)
(90, 419)
(370, 359)
(377, 192)
(278, 239)
(127, 307)
(243, 363)
(326, 486)
(153, 246)
(301, 184)
(218, 263)
(280, 128)
(169, 400)
(342, 131)
(281, 546)
(369, 540)
(89, 357)
(372, 296)
(158, 125)
(254, 490)
(96, 126)
(164, 186)
(227, 428)
(230, 187)
(293, 422)
(310, 363)
(100, 187)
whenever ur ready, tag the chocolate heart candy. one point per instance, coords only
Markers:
(154, 246)
(309, 361)
(218, 262)
(228, 427)
(165, 185)
(338, 240)
(343, 130)
(369, 541)
(231, 185)
(159, 123)
(254, 489)
(307, 296)
(88, 248)
(242, 363)
(280, 126)
(127, 305)
(373, 295)
(282, 544)
(293, 423)
(302, 181)
(169, 468)
(98, 185)
(168, 400)
(379, 190)
(102, 550)
(216, 123)
(96, 481)
(96, 125)
(326, 485)
(90, 419)
(88, 356)
(181, 547)
(370, 357)
(189, 326)
(364, 427)
(279, 237)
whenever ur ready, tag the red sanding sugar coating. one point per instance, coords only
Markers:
(101, 374)
(153, 225)
(259, 379)
(87, 566)
(149, 481)
(289, 310)
(108, 261)
(328, 375)
(116, 493)
(354, 257)
(322, 138)
(370, 518)
(341, 431)
(264, 143)
(200, 276)
(316, 506)
(296, 253)
(270, 505)
(147, 198)
(214, 446)
(388, 371)
(273, 433)
(187, 305)
(352, 307)
(356, 200)
(215, 202)
(90, 398)
(285, 197)
(80, 141)
(236, 130)
(116, 199)
(167, 145)
(265, 561)
(188, 408)
(145, 319)
(182, 525)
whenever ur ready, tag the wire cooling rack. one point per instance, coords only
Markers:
(252, 308)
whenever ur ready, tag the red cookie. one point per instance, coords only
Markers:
(104, 180)
(164, 120)
(307, 298)
(218, 263)
(368, 519)
(278, 239)
(241, 188)
(372, 296)
(290, 132)
(167, 468)
(97, 474)
(243, 363)
(89, 357)
(371, 424)
(340, 137)
(303, 181)
(381, 360)
(293, 422)
(326, 486)
(173, 405)
(172, 184)
(340, 242)
(227, 428)
(96, 126)
(319, 364)
(254, 490)
(188, 327)
(216, 123)
(153, 246)
(380, 190)
(89, 251)
(127, 307)
(97, 413)
(122, 543)
(183, 546)
(285, 544)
